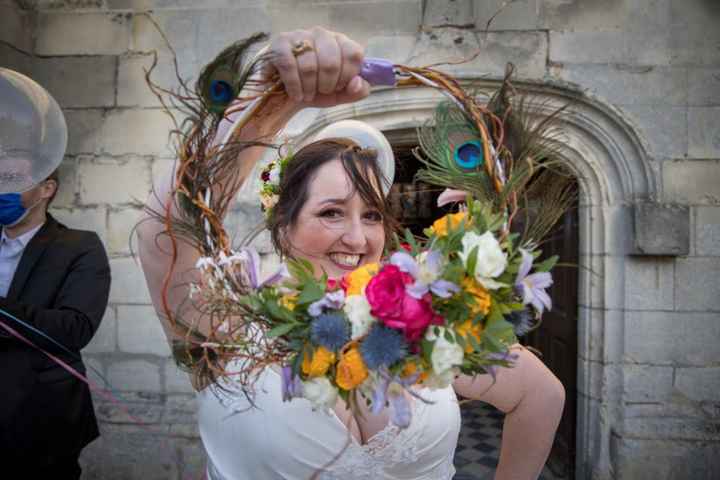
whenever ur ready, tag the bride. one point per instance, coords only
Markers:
(332, 211)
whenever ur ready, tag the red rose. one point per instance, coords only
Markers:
(265, 176)
(333, 284)
(390, 303)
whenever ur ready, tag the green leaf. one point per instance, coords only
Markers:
(547, 265)
(280, 330)
(410, 239)
(311, 292)
(472, 261)
(449, 336)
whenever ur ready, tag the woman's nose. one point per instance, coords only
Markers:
(354, 235)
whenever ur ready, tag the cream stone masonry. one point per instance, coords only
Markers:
(642, 79)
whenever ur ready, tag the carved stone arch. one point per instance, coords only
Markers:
(614, 172)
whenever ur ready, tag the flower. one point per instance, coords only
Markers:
(268, 201)
(382, 347)
(521, 321)
(291, 384)
(445, 354)
(391, 304)
(320, 392)
(332, 300)
(441, 380)
(413, 370)
(532, 287)
(392, 390)
(490, 260)
(357, 310)
(359, 278)
(450, 221)
(450, 195)
(351, 370)
(480, 296)
(426, 271)
(316, 364)
(289, 301)
(330, 330)
(467, 328)
(250, 270)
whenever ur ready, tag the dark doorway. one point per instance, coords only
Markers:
(414, 204)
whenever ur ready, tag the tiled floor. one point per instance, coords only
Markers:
(477, 452)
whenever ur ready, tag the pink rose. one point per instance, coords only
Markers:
(390, 303)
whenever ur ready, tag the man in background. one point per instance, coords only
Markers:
(54, 286)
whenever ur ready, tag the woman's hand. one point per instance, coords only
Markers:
(319, 68)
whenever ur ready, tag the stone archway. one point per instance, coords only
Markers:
(614, 174)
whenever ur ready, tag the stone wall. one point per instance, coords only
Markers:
(649, 353)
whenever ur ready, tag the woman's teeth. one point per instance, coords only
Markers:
(345, 260)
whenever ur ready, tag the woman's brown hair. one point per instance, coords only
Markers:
(361, 167)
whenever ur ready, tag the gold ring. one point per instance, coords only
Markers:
(301, 46)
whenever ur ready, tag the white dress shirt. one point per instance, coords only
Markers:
(11, 250)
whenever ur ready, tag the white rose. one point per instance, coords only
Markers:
(445, 354)
(357, 310)
(491, 260)
(441, 380)
(321, 393)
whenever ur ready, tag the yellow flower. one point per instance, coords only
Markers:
(351, 369)
(411, 368)
(467, 328)
(480, 295)
(360, 277)
(288, 301)
(450, 221)
(319, 364)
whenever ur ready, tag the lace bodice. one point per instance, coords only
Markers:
(290, 441)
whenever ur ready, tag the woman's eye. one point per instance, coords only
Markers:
(331, 214)
(373, 216)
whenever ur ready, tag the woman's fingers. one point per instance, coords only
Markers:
(319, 63)
(286, 65)
(352, 54)
(330, 60)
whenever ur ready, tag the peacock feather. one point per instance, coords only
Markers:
(529, 179)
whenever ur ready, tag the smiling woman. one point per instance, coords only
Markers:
(332, 209)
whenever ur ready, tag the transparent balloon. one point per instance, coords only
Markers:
(33, 133)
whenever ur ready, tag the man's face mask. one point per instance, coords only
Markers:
(12, 210)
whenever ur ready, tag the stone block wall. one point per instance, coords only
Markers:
(650, 368)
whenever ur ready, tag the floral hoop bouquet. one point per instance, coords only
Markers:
(434, 309)
(450, 304)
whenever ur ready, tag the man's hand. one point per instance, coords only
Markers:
(319, 68)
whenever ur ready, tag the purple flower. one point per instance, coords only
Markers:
(332, 300)
(505, 356)
(250, 261)
(390, 389)
(291, 384)
(425, 272)
(532, 287)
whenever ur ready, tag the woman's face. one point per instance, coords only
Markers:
(336, 230)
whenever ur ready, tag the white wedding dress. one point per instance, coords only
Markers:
(290, 441)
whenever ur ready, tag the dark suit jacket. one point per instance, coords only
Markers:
(60, 287)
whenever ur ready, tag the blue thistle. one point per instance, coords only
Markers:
(522, 321)
(382, 347)
(330, 330)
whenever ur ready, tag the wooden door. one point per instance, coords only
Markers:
(556, 338)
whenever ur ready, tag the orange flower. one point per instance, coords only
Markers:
(351, 369)
(360, 277)
(450, 221)
(288, 301)
(411, 368)
(318, 365)
(479, 293)
(467, 328)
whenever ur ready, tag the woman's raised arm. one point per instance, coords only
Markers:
(532, 399)
(318, 68)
